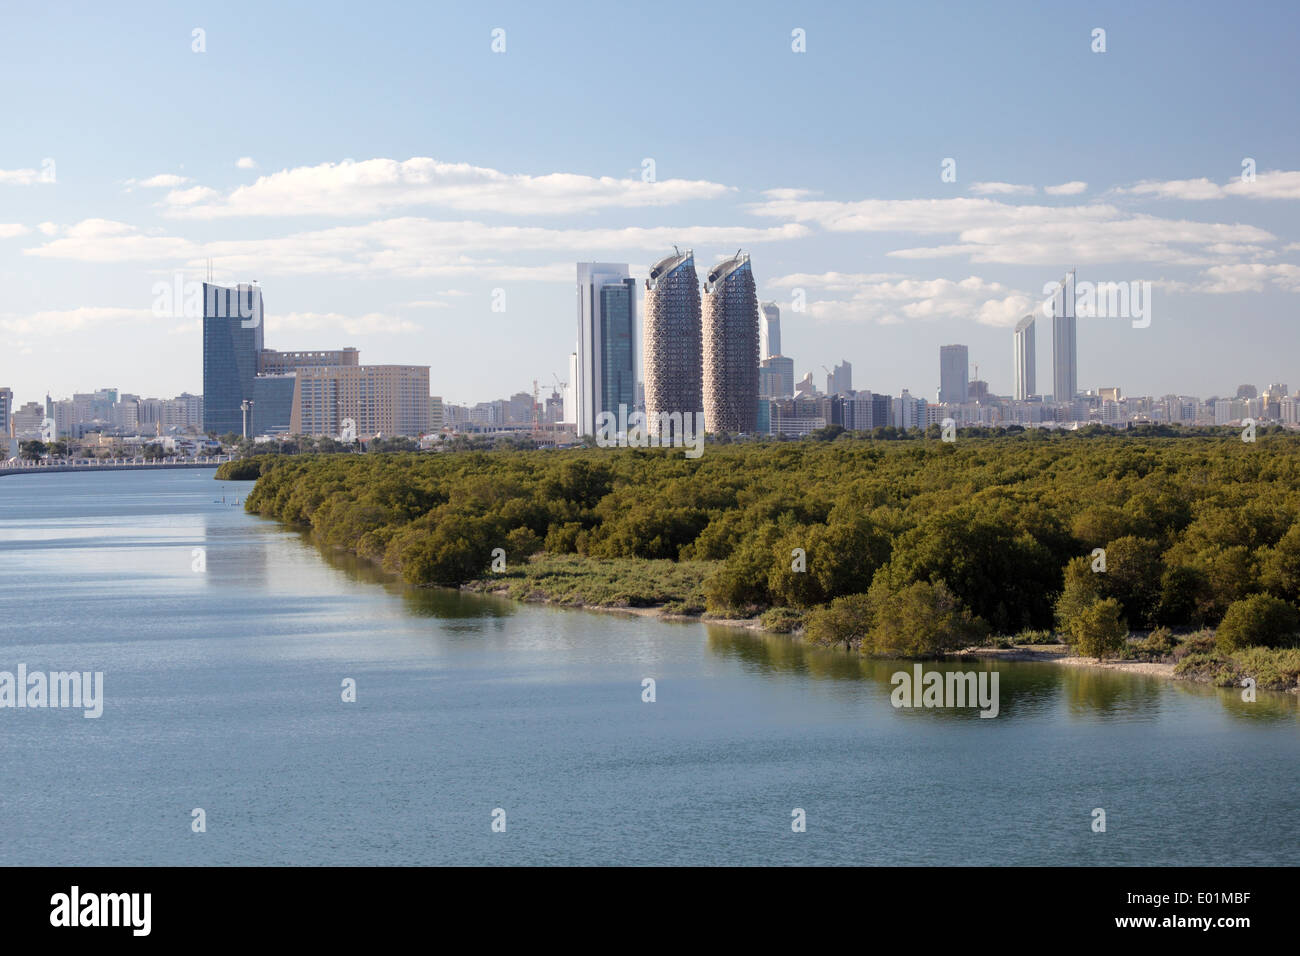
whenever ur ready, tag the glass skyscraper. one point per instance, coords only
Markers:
(606, 355)
(232, 339)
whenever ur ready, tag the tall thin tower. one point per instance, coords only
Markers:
(730, 314)
(1023, 357)
(1065, 357)
(673, 343)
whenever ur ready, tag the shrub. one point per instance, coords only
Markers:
(844, 621)
(1099, 630)
(1260, 620)
(919, 620)
(1036, 637)
(782, 620)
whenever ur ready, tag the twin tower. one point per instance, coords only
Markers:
(702, 359)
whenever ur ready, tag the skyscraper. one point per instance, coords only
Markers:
(674, 374)
(840, 380)
(1023, 352)
(954, 366)
(1065, 358)
(606, 372)
(6, 409)
(232, 339)
(769, 330)
(730, 311)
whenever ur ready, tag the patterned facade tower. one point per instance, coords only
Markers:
(673, 341)
(731, 347)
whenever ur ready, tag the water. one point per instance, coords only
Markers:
(223, 693)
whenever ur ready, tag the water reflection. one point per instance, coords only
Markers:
(1087, 693)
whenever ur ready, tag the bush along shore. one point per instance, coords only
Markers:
(915, 548)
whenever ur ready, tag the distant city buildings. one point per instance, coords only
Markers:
(605, 373)
(840, 379)
(954, 370)
(380, 400)
(769, 330)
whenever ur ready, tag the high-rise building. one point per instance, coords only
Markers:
(954, 372)
(730, 312)
(1023, 358)
(1065, 356)
(28, 419)
(606, 355)
(232, 341)
(6, 410)
(840, 380)
(769, 330)
(382, 400)
(674, 361)
(776, 377)
(435, 413)
(272, 403)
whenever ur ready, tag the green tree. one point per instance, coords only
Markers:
(1099, 630)
(1260, 620)
(920, 620)
(845, 621)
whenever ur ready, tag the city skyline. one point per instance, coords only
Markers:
(398, 237)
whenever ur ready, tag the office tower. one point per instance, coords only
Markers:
(730, 312)
(840, 380)
(1247, 391)
(435, 413)
(275, 362)
(769, 330)
(571, 391)
(1023, 358)
(606, 355)
(1065, 358)
(954, 366)
(272, 403)
(382, 400)
(232, 340)
(776, 374)
(673, 343)
(6, 410)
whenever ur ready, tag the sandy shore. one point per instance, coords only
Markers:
(1059, 654)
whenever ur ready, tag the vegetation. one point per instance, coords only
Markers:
(891, 546)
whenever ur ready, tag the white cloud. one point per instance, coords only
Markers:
(989, 231)
(1001, 189)
(1274, 184)
(161, 181)
(9, 230)
(409, 247)
(887, 299)
(48, 228)
(1072, 188)
(1251, 277)
(374, 185)
(58, 322)
(246, 162)
(23, 177)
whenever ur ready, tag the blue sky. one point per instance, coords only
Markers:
(398, 171)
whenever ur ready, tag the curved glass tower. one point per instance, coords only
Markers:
(730, 325)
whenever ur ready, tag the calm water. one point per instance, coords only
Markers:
(223, 692)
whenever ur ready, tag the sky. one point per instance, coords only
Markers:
(419, 180)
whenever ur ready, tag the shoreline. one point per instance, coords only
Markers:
(1040, 654)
